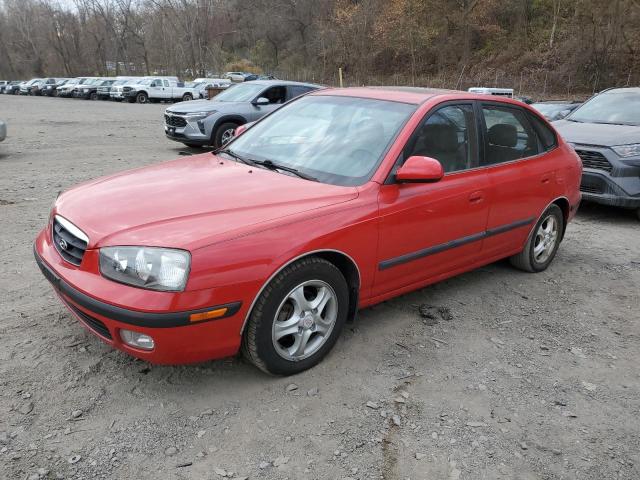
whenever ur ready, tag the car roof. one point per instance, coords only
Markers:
(412, 95)
(415, 95)
(283, 82)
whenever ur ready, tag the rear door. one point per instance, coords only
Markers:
(522, 175)
(432, 229)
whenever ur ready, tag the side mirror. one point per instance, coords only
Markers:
(261, 101)
(153, 84)
(420, 170)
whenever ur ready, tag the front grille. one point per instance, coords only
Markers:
(594, 160)
(70, 247)
(175, 121)
(591, 189)
(91, 322)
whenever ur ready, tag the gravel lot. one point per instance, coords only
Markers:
(516, 376)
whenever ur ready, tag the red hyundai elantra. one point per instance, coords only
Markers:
(339, 200)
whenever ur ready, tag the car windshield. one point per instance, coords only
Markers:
(618, 107)
(336, 140)
(243, 92)
(146, 81)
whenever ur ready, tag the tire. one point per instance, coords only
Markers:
(54, 93)
(187, 97)
(222, 132)
(535, 257)
(311, 276)
(93, 96)
(142, 97)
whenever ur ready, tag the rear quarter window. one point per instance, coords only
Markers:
(545, 134)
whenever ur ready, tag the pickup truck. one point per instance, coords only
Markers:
(154, 89)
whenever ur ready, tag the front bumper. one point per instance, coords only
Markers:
(177, 339)
(190, 133)
(609, 179)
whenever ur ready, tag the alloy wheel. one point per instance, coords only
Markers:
(545, 239)
(304, 320)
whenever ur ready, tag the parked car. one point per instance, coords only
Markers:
(235, 76)
(51, 90)
(556, 109)
(89, 90)
(499, 92)
(12, 88)
(86, 90)
(212, 122)
(156, 89)
(67, 89)
(605, 132)
(41, 86)
(3, 131)
(3, 84)
(104, 91)
(117, 89)
(25, 87)
(266, 246)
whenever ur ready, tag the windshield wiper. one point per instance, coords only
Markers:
(235, 156)
(271, 165)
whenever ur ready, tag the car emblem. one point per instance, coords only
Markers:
(63, 244)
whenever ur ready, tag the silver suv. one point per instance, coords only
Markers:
(212, 122)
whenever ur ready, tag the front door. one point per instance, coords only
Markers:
(430, 229)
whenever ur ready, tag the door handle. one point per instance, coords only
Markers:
(476, 197)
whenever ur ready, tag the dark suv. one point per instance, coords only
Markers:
(605, 133)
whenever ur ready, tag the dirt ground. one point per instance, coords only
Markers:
(516, 376)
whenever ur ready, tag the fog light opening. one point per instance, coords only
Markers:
(137, 340)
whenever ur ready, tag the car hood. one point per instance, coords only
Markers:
(190, 203)
(205, 106)
(597, 133)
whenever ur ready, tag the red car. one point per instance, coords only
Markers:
(338, 200)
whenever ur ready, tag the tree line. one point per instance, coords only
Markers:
(542, 46)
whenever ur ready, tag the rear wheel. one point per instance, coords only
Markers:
(224, 134)
(142, 97)
(187, 97)
(543, 243)
(297, 318)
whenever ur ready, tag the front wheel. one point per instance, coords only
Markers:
(297, 318)
(142, 97)
(543, 243)
(224, 134)
(93, 96)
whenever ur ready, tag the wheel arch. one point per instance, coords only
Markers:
(344, 262)
(564, 205)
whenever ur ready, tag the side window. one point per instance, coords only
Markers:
(275, 94)
(545, 134)
(509, 136)
(297, 90)
(448, 135)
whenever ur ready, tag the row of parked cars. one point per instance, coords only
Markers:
(125, 88)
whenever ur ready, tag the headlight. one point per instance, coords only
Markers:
(194, 117)
(627, 150)
(153, 268)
